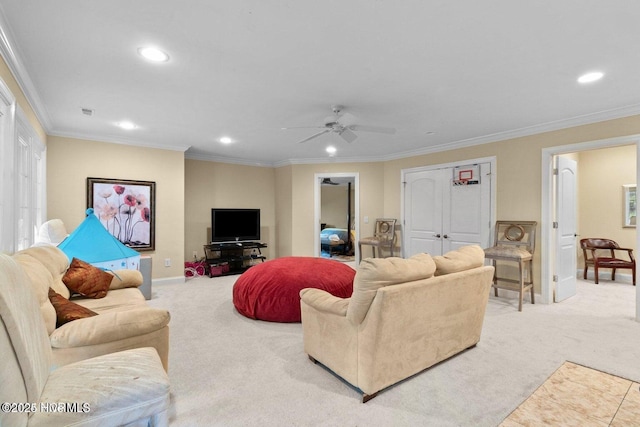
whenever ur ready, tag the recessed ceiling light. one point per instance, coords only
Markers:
(331, 149)
(590, 77)
(126, 125)
(225, 140)
(153, 54)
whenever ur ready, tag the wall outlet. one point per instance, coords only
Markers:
(167, 262)
(195, 254)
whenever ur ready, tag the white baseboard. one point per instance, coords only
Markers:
(169, 281)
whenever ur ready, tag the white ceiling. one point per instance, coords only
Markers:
(469, 71)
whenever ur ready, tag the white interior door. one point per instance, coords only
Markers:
(440, 216)
(423, 212)
(467, 210)
(566, 229)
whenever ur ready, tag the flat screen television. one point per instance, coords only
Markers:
(235, 225)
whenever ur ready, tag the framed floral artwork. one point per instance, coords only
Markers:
(126, 208)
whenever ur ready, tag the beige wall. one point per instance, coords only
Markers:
(302, 196)
(219, 185)
(519, 168)
(334, 205)
(601, 175)
(284, 211)
(71, 161)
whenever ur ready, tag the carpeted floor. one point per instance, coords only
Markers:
(227, 370)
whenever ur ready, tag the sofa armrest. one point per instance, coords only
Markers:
(108, 327)
(125, 279)
(325, 302)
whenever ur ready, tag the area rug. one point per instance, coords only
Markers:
(575, 395)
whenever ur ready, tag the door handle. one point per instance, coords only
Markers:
(445, 236)
(438, 236)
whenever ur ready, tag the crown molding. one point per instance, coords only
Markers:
(586, 119)
(116, 139)
(230, 160)
(17, 68)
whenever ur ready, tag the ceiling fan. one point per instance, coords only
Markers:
(327, 181)
(344, 125)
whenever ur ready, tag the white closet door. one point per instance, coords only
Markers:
(440, 216)
(467, 212)
(423, 212)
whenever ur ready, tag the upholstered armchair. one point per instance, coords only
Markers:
(606, 253)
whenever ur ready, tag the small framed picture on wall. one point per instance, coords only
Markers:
(126, 208)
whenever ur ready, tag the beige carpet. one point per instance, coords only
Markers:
(227, 370)
(576, 395)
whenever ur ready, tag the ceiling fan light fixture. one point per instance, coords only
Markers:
(153, 54)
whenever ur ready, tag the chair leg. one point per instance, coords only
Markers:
(533, 297)
(520, 268)
(584, 276)
(495, 278)
(613, 274)
(373, 251)
(359, 252)
(633, 275)
(595, 270)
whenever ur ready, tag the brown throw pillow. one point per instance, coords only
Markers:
(85, 279)
(66, 311)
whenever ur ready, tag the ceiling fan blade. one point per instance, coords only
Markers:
(314, 136)
(303, 127)
(377, 129)
(348, 136)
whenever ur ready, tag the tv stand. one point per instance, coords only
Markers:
(238, 256)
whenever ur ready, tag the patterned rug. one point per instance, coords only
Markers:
(575, 395)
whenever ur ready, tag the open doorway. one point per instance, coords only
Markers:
(599, 203)
(336, 224)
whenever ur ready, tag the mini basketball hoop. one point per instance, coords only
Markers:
(458, 182)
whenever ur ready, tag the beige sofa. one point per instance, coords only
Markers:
(404, 316)
(124, 319)
(125, 388)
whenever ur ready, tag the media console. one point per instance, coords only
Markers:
(232, 258)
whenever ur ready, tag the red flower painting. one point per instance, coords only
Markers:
(125, 211)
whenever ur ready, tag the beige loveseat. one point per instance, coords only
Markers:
(404, 316)
(123, 321)
(125, 388)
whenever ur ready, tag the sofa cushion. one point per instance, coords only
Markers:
(67, 311)
(126, 279)
(84, 279)
(375, 273)
(463, 258)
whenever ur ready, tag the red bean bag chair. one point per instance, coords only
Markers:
(271, 290)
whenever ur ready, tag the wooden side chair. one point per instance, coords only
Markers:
(514, 241)
(384, 237)
(601, 253)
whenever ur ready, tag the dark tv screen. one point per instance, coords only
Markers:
(234, 225)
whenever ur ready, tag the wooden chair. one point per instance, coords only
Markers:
(384, 237)
(514, 241)
(601, 253)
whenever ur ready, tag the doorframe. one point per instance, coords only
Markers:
(493, 181)
(546, 238)
(317, 206)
